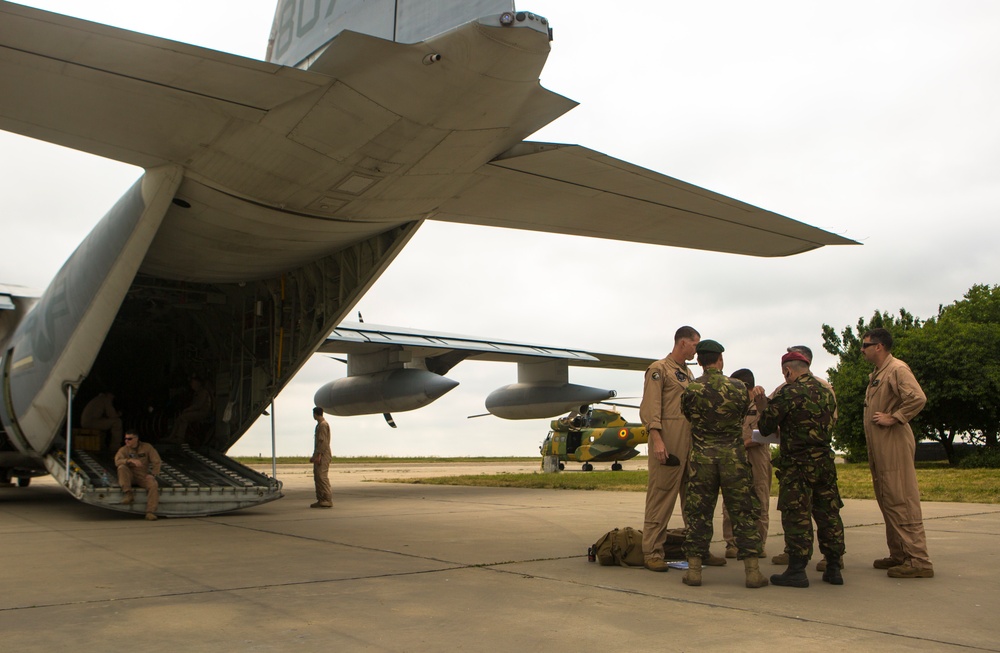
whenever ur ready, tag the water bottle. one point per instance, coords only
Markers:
(105, 481)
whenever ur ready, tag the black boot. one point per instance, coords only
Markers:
(795, 575)
(832, 572)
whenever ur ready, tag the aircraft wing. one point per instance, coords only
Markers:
(573, 190)
(442, 351)
(134, 98)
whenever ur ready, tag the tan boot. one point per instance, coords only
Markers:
(714, 561)
(127, 498)
(754, 577)
(731, 551)
(780, 559)
(655, 564)
(886, 563)
(692, 576)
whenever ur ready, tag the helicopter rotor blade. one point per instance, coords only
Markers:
(479, 415)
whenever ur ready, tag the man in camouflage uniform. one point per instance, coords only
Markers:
(716, 405)
(803, 409)
(759, 458)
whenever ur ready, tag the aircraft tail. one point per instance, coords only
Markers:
(302, 27)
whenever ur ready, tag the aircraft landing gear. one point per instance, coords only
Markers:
(562, 466)
(23, 481)
(587, 467)
(616, 467)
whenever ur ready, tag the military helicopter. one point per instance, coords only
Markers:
(593, 435)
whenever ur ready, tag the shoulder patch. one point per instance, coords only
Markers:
(656, 376)
(681, 376)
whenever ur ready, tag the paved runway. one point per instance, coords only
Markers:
(402, 567)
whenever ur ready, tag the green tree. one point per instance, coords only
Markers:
(959, 354)
(955, 357)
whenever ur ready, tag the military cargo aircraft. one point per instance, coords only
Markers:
(593, 435)
(275, 193)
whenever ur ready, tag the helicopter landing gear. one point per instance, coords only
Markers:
(616, 467)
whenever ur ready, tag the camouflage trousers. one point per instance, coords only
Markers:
(807, 491)
(708, 472)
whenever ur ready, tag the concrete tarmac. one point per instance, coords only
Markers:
(404, 567)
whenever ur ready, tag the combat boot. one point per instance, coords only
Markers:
(127, 498)
(821, 565)
(795, 575)
(887, 563)
(714, 560)
(831, 572)
(655, 564)
(780, 559)
(731, 551)
(754, 577)
(693, 574)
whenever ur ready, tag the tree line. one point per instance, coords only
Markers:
(955, 357)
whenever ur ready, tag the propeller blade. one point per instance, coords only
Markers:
(479, 415)
(389, 420)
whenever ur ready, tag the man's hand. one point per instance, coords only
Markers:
(656, 447)
(884, 419)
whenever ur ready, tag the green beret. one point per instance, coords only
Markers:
(709, 345)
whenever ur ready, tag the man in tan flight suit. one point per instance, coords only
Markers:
(892, 399)
(100, 414)
(759, 457)
(669, 442)
(321, 461)
(139, 463)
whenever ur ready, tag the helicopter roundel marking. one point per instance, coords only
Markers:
(623, 433)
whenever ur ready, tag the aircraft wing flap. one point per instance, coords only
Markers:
(128, 96)
(351, 338)
(573, 190)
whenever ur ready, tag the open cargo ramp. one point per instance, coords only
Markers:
(192, 482)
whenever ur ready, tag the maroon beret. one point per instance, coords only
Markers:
(793, 356)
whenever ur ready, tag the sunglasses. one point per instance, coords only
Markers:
(866, 345)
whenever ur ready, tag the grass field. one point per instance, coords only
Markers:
(938, 482)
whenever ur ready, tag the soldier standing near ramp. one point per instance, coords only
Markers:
(321, 461)
(716, 406)
(669, 441)
(803, 409)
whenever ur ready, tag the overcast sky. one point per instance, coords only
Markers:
(873, 120)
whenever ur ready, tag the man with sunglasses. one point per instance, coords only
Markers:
(892, 399)
(139, 463)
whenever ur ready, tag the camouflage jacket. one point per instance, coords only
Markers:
(803, 411)
(715, 405)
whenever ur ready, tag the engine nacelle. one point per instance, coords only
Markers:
(392, 391)
(540, 400)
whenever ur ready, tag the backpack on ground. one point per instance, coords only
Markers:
(673, 547)
(622, 546)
